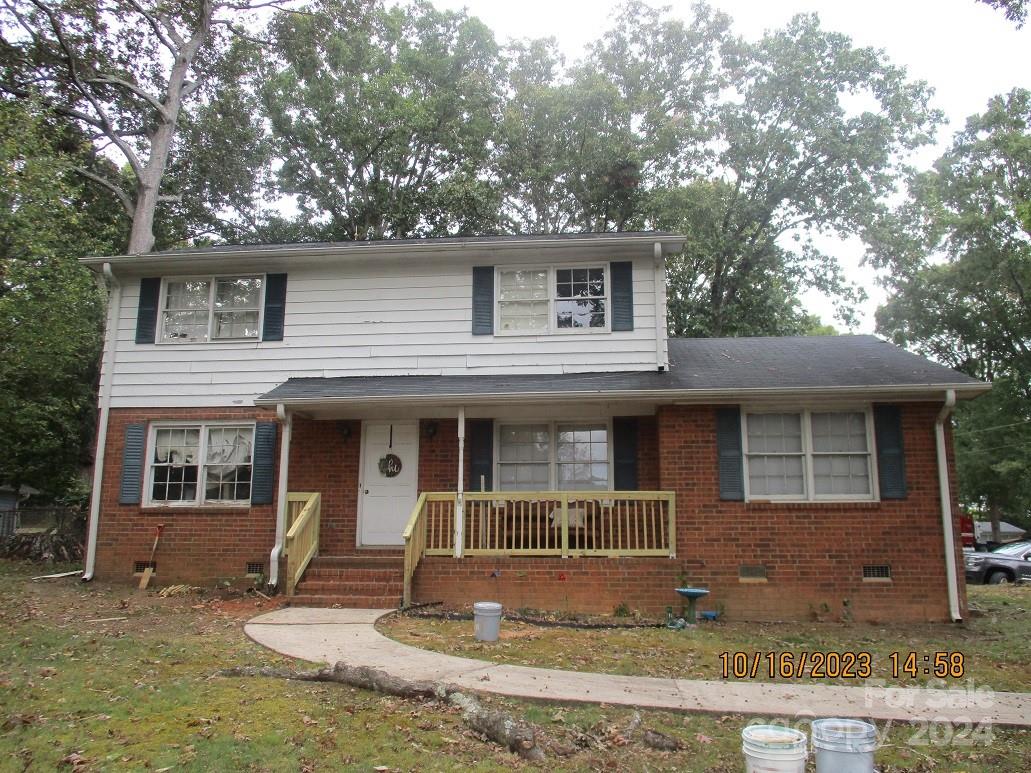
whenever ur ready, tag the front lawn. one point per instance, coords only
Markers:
(81, 692)
(996, 646)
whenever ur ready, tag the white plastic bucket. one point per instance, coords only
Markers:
(486, 620)
(844, 745)
(774, 749)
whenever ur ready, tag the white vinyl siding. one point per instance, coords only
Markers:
(809, 455)
(367, 319)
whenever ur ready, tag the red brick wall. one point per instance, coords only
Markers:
(596, 585)
(198, 545)
(324, 457)
(814, 552)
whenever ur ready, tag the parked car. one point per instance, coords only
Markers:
(1009, 563)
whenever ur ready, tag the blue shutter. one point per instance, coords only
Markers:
(891, 456)
(624, 453)
(147, 313)
(275, 307)
(132, 464)
(622, 277)
(483, 300)
(728, 443)
(479, 436)
(263, 470)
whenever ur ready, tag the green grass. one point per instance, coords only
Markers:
(140, 694)
(996, 646)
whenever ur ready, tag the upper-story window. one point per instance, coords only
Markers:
(552, 299)
(211, 308)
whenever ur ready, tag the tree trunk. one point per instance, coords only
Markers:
(995, 515)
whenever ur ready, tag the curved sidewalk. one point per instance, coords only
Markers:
(332, 635)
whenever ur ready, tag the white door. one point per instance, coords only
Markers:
(390, 475)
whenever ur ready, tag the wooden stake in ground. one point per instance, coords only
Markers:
(145, 579)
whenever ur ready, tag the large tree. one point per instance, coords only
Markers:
(809, 141)
(50, 307)
(959, 260)
(381, 118)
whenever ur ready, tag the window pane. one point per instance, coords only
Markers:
(774, 433)
(523, 285)
(236, 324)
(523, 477)
(839, 431)
(841, 474)
(174, 465)
(237, 293)
(185, 326)
(523, 315)
(583, 455)
(189, 294)
(775, 476)
(580, 313)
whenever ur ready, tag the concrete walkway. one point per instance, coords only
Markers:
(332, 635)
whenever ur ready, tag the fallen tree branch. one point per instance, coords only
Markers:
(501, 728)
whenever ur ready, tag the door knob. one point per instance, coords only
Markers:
(365, 491)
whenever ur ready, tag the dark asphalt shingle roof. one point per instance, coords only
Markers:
(702, 364)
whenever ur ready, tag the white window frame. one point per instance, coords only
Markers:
(808, 476)
(200, 500)
(552, 425)
(553, 328)
(213, 280)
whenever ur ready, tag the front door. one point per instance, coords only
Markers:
(390, 474)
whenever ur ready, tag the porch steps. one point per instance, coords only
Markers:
(373, 581)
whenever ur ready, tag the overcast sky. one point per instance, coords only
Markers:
(966, 50)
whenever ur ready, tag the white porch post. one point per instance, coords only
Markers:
(287, 418)
(460, 496)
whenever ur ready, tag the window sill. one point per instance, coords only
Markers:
(194, 509)
(753, 580)
(878, 580)
(550, 333)
(801, 504)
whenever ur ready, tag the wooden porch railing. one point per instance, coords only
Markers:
(542, 523)
(302, 536)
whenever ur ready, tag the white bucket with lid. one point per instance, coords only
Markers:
(774, 749)
(844, 745)
(486, 620)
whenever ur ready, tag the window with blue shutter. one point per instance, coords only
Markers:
(147, 312)
(622, 275)
(483, 300)
(132, 465)
(728, 443)
(624, 453)
(891, 455)
(264, 472)
(275, 307)
(479, 438)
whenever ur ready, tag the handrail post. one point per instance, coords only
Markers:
(671, 504)
(565, 525)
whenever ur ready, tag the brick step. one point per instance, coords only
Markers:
(365, 561)
(358, 575)
(354, 602)
(344, 588)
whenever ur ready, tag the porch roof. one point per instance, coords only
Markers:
(700, 368)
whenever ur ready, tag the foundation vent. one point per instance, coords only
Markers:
(877, 572)
(254, 568)
(752, 572)
(141, 566)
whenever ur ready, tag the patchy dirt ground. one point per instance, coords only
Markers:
(101, 677)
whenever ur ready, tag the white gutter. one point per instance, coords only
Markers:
(460, 499)
(281, 504)
(114, 301)
(946, 504)
(685, 396)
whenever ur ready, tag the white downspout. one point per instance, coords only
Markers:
(460, 498)
(284, 465)
(114, 302)
(946, 504)
(661, 333)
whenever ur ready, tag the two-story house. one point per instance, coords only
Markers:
(506, 418)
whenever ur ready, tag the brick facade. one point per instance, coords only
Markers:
(199, 545)
(814, 553)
